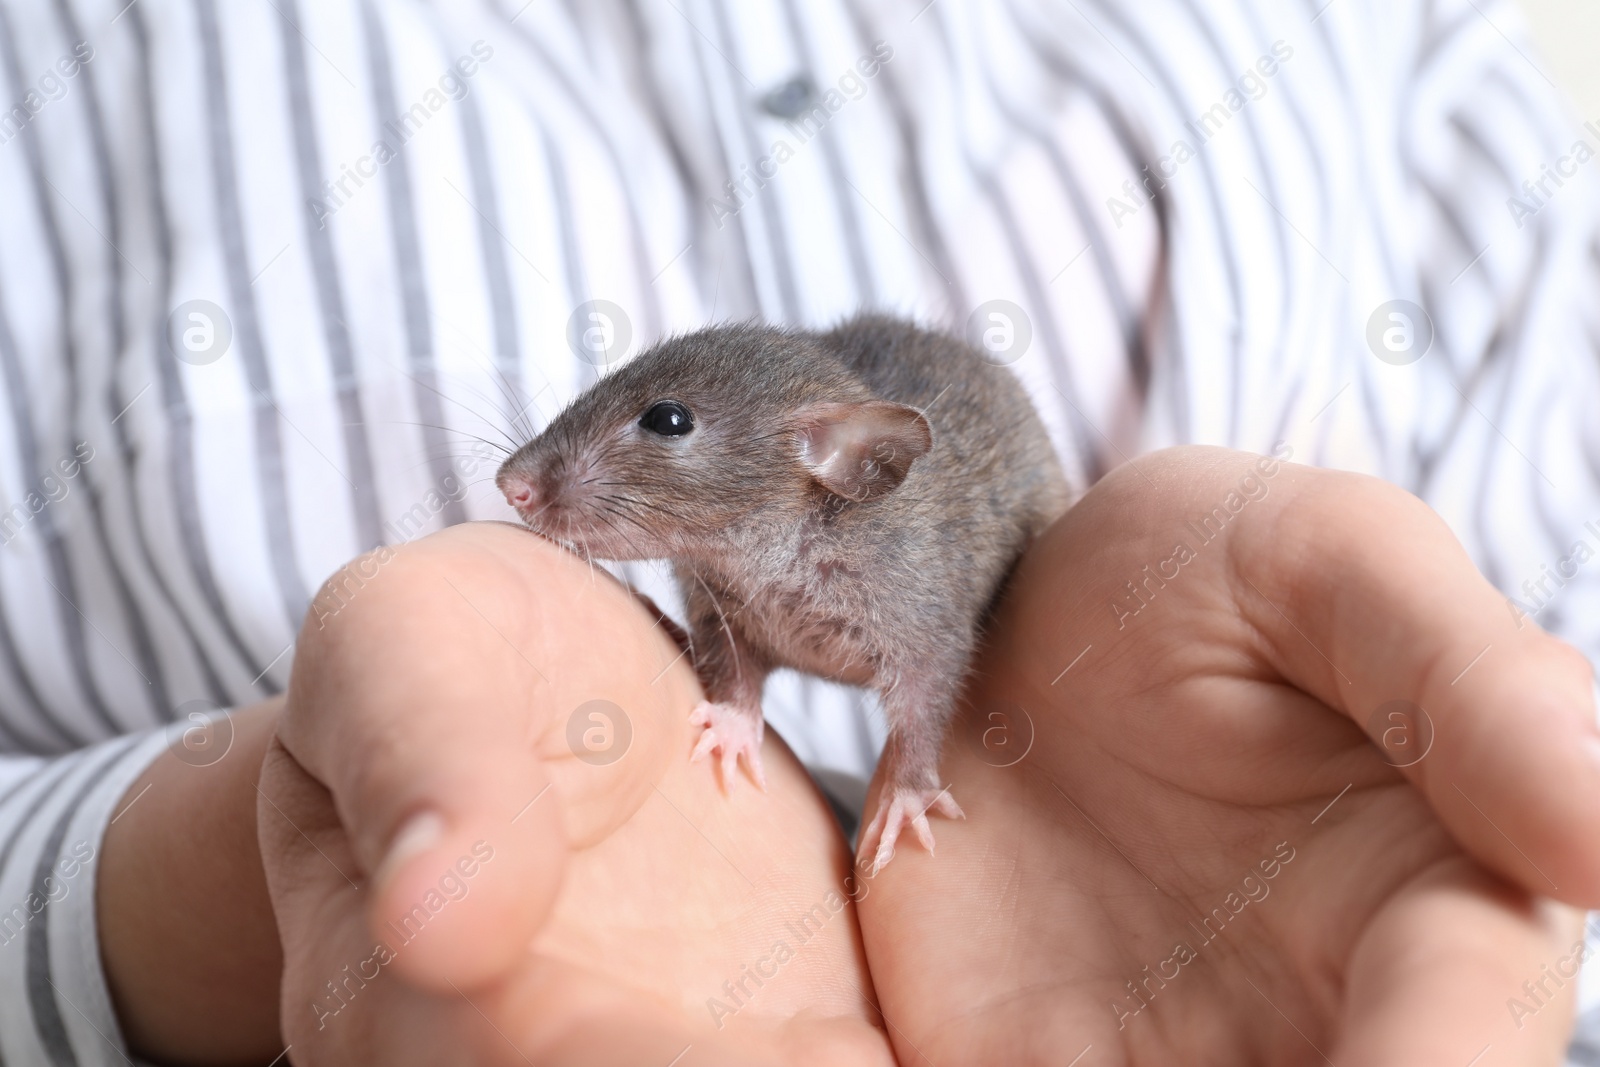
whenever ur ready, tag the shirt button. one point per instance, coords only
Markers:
(791, 99)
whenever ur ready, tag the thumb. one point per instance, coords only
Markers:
(415, 705)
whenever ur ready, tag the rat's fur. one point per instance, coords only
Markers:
(778, 571)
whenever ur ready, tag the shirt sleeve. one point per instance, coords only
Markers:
(55, 1008)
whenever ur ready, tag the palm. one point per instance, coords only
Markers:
(1110, 891)
(673, 920)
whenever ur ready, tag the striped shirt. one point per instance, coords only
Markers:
(270, 271)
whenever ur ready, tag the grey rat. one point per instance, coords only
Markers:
(845, 502)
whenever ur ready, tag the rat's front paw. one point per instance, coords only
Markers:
(902, 808)
(731, 732)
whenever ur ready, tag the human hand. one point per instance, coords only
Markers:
(552, 908)
(1202, 858)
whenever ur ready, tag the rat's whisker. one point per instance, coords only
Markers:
(522, 419)
(634, 504)
(428, 462)
(504, 418)
(630, 518)
(646, 505)
(622, 535)
(638, 502)
(435, 426)
(447, 397)
(511, 391)
(529, 519)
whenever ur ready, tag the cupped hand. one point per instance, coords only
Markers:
(485, 842)
(1258, 770)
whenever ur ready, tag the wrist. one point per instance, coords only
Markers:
(187, 935)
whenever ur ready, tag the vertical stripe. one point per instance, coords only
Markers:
(1175, 101)
(1320, 196)
(496, 268)
(572, 271)
(1159, 314)
(181, 474)
(1377, 424)
(1091, 463)
(328, 283)
(116, 405)
(271, 476)
(1499, 345)
(654, 106)
(407, 245)
(63, 578)
(919, 207)
(581, 102)
(150, 665)
(1086, 440)
(20, 403)
(777, 241)
(743, 242)
(849, 217)
(65, 737)
(1269, 178)
(1090, 220)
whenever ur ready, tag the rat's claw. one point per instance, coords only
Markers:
(707, 745)
(904, 807)
(946, 805)
(730, 732)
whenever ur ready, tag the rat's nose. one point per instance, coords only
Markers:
(521, 491)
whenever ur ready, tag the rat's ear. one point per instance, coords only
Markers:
(861, 451)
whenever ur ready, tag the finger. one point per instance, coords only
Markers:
(339, 1002)
(1362, 596)
(431, 703)
(1456, 966)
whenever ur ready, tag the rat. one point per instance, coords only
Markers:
(846, 503)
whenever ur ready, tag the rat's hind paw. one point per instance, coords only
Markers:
(902, 808)
(731, 732)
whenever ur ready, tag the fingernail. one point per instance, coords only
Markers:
(416, 835)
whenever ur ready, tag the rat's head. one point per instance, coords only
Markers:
(705, 435)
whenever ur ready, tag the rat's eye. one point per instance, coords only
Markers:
(668, 418)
